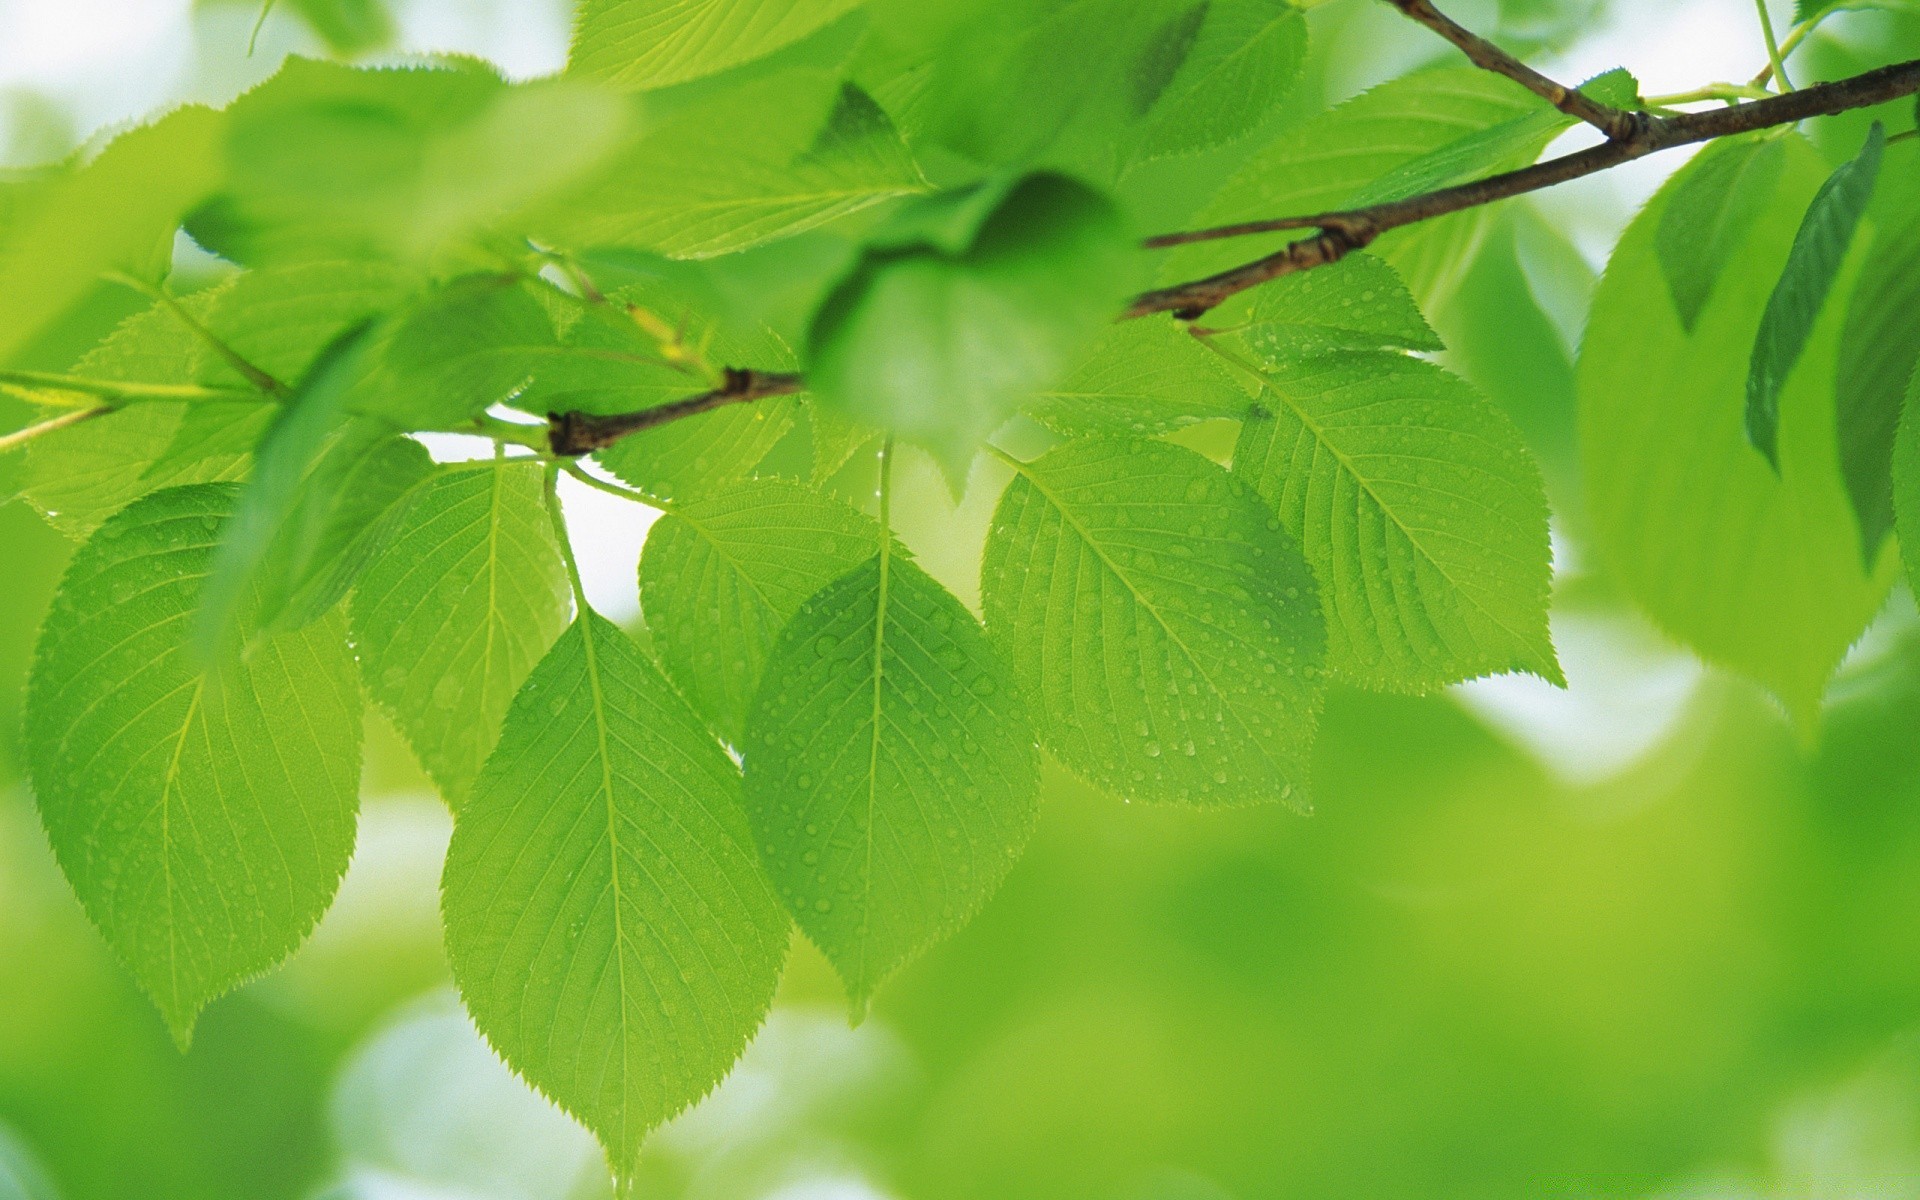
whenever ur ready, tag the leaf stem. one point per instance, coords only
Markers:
(1776, 63)
(122, 390)
(560, 535)
(233, 358)
(21, 437)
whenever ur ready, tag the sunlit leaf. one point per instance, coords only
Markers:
(204, 814)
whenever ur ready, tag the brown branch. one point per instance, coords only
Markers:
(1340, 233)
(1616, 123)
(1350, 230)
(575, 433)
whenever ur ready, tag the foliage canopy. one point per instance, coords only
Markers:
(734, 261)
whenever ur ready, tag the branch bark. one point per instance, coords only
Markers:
(1342, 232)
(1616, 123)
(575, 433)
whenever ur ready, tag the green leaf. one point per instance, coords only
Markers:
(1413, 126)
(1162, 622)
(608, 925)
(325, 160)
(1819, 248)
(450, 619)
(280, 318)
(1140, 378)
(1243, 59)
(722, 575)
(1757, 571)
(1711, 215)
(1906, 481)
(652, 43)
(299, 436)
(941, 344)
(692, 456)
(1358, 303)
(203, 816)
(890, 773)
(467, 345)
(764, 160)
(1423, 517)
(348, 26)
(115, 213)
(1879, 349)
(350, 505)
(81, 475)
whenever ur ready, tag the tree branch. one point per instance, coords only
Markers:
(1342, 232)
(575, 433)
(1616, 123)
(1352, 229)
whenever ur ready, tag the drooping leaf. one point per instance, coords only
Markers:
(117, 212)
(1423, 517)
(449, 620)
(1358, 303)
(299, 436)
(1879, 349)
(642, 44)
(1163, 623)
(940, 341)
(351, 504)
(1243, 58)
(890, 770)
(723, 574)
(608, 924)
(1757, 571)
(203, 815)
(1711, 215)
(1140, 378)
(1819, 248)
(767, 159)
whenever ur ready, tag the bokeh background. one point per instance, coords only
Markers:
(1626, 940)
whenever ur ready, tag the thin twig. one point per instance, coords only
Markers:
(1776, 64)
(21, 437)
(1614, 122)
(233, 358)
(1344, 232)
(575, 433)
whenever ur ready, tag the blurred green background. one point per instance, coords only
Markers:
(1629, 940)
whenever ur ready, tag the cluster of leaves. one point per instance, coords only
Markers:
(924, 209)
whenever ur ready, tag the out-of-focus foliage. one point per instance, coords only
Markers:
(1607, 922)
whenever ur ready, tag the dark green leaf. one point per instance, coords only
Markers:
(1819, 248)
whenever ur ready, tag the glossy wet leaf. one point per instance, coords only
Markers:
(448, 621)
(723, 574)
(890, 769)
(608, 923)
(1163, 623)
(204, 814)
(1140, 378)
(1421, 512)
